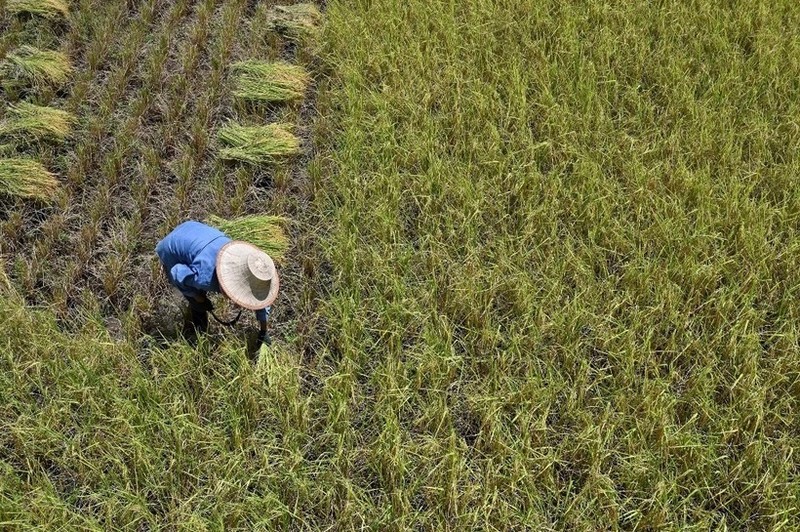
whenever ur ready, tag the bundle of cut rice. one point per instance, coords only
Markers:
(28, 120)
(26, 178)
(263, 81)
(38, 67)
(258, 144)
(263, 231)
(296, 22)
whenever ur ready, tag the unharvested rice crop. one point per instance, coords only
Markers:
(258, 144)
(264, 81)
(26, 178)
(39, 67)
(297, 21)
(264, 231)
(50, 9)
(28, 120)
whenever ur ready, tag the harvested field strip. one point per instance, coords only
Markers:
(263, 81)
(50, 9)
(258, 144)
(38, 67)
(265, 231)
(26, 120)
(26, 178)
(154, 77)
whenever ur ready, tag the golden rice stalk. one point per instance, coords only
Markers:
(26, 178)
(263, 81)
(5, 282)
(40, 67)
(263, 231)
(295, 22)
(26, 119)
(257, 144)
(50, 9)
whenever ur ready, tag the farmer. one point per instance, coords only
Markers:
(198, 259)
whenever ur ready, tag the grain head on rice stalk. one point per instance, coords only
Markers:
(26, 178)
(26, 120)
(257, 144)
(49, 9)
(264, 81)
(38, 67)
(264, 231)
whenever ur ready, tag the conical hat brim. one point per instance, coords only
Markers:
(236, 281)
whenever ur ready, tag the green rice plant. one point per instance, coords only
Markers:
(264, 81)
(26, 178)
(264, 231)
(257, 144)
(49, 9)
(39, 67)
(27, 119)
(295, 22)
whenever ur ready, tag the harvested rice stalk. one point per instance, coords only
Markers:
(269, 82)
(295, 22)
(50, 9)
(257, 144)
(264, 231)
(37, 66)
(26, 178)
(36, 121)
(5, 282)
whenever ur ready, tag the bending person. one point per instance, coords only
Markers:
(198, 259)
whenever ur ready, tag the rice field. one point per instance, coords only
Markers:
(539, 265)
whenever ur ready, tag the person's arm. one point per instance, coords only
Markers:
(261, 316)
(181, 276)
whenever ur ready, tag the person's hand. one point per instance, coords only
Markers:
(263, 339)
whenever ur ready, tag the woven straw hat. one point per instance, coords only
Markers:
(247, 275)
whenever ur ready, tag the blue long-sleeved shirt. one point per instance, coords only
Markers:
(189, 255)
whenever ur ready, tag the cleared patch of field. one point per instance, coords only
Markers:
(150, 84)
